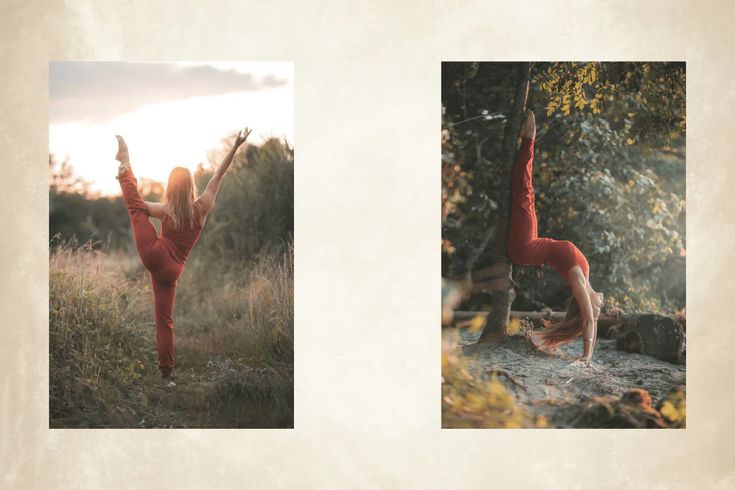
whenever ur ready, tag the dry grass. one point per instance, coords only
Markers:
(234, 327)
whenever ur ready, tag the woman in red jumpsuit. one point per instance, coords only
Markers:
(182, 216)
(526, 248)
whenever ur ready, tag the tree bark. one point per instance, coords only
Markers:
(502, 300)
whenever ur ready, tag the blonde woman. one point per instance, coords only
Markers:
(526, 248)
(182, 216)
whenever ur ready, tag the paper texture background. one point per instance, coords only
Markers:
(367, 363)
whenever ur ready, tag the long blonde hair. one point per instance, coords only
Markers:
(178, 201)
(566, 330)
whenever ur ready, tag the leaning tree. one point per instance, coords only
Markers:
(599, 112)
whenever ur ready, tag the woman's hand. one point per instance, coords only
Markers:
(587, 363)
(581, 362)
(242, 135)
(210, 192)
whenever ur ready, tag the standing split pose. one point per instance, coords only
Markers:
(182, 216)
(526, 248)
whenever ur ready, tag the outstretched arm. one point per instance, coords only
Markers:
(578, 284)
(155, 209)
(210, 193)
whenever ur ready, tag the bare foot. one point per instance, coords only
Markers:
(528, 130)
(122, 150)
(122, 156)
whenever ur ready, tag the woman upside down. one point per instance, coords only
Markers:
(526, 248)
(182, 216)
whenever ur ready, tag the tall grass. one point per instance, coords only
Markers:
(233, 314)
(241, 307)
(234, 328)
(99, 341)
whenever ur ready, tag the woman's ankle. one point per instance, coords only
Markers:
(122, 168)
(166, 373)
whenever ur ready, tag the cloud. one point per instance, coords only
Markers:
(95, 92)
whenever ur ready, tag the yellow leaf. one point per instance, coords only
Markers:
(514, 326)
(629, 141)
(669, 411)
(478, 323)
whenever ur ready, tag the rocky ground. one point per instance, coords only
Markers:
(620, 390)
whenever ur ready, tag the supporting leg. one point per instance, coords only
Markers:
(164, 297)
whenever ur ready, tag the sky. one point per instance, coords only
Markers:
(170, 114)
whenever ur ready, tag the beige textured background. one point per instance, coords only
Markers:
(367, 244)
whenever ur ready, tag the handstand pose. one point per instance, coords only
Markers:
(182, 216)
(526, 248)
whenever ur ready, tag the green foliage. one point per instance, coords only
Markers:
(608, 175)
(253, 214)
(628, 219)
(254, 208)
(75, 217)
(655, 93)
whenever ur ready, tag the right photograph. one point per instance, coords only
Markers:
(563, 244)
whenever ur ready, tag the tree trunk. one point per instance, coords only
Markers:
(502, 300)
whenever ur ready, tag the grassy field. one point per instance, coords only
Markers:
(234, 352)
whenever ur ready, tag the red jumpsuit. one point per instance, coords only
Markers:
(524, 245)
(164, 256)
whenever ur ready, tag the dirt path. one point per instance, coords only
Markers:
(549, 386)
(220, 392)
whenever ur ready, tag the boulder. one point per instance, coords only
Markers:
(655, 335)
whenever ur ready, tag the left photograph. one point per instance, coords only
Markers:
(171, 245)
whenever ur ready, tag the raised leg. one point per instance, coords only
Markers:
(523, 223)
(144, 233)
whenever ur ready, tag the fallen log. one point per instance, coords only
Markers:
(607, 325)
(652, 334)
(553, 315)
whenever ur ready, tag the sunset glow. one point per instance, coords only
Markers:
(170, 114)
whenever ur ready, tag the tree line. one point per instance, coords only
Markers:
(609, 175)
(253, 214)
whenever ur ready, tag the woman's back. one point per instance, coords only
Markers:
(183, 239)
